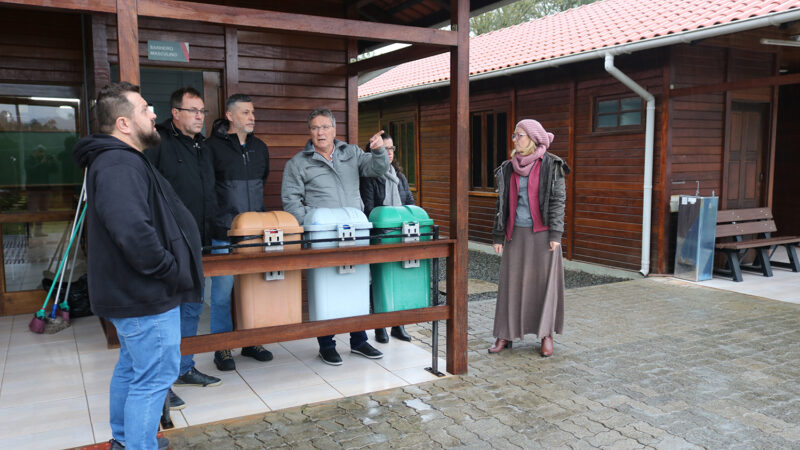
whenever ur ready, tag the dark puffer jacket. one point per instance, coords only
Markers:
(186, 163)
(144, 247)
(373, 191)
(240, 172)
(552, 196)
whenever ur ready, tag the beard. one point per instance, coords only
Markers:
(151, 139)
(148, 138)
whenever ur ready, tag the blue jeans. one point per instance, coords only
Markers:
(149, 357)
(356, 338)
(221, 287)
(190, 317)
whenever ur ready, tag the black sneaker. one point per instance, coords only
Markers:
(381, 336)
(224, 360)
(196, 378)
(367, 351)
(163, 444)
(258, 352)
(175, 402)
(330, 356)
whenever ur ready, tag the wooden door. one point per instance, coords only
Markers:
(746, 150)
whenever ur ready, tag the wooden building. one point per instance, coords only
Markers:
(725, 80)
(290, 57)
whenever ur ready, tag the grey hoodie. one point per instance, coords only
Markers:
(311, 181)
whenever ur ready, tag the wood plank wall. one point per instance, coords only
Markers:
(40, 47)
(609, 169)
(698, 121)
(434, 144)
(549, 104)
(287, 76)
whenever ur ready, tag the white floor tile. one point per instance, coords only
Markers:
(280, 378)
(67, 375)
(51, 438)
(43, 386)
(279, 356)
(414, 375)
(364, 383)
(402, 358)
(302, 349)
(234, 398)
(31, 418)
(301, 396)
(351, 364)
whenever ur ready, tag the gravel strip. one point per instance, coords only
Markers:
(486, 267)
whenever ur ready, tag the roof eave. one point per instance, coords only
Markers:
(685, 37)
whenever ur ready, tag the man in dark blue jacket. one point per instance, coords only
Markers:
(185, 162)
(241, 167)
(144, 261)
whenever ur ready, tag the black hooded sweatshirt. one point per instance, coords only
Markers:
(241, 172)
(144, 246)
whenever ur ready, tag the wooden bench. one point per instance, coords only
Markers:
(734, 230)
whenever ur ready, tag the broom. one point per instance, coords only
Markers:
(63, 307)
(40, 322)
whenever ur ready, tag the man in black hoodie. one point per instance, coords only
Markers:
(241, 167)
(144, 261)
(185, 162)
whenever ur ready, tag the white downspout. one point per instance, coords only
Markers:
(649, 134)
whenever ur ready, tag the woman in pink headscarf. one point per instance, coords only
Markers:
(529, 220)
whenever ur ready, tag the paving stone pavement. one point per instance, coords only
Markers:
(651, 363)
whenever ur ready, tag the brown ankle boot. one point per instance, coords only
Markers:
(547, 346)
(499, 345)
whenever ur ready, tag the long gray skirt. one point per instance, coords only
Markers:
(530, 296)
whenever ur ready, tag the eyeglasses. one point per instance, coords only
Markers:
(314, 129)
(194, 111)
(391, 149)
(516, 136)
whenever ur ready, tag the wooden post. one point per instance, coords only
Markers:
(352, 95)
(231, 61)
(128, 40)
(459, 176)
(352, 85)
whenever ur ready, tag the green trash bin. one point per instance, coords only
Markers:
(400, 285)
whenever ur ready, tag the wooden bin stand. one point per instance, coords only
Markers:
(236, 264)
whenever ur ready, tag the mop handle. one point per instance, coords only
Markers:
(63, 260)
(74, 258)
(75, 226)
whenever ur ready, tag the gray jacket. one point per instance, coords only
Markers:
(311, 181)
(552, 196)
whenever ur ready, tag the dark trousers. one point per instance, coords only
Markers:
(356, 338)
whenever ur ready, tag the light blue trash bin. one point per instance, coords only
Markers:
(342, 291)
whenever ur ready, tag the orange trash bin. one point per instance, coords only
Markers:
(272, 298)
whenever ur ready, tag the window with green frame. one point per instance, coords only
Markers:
(402, 130)
(617, 113)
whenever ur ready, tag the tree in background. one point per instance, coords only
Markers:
(518, 12)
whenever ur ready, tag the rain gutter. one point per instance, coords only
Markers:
(649, 133)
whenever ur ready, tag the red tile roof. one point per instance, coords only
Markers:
(602, 24)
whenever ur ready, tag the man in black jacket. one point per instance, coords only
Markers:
(241, 167)
(185, 162)
(144, 261)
